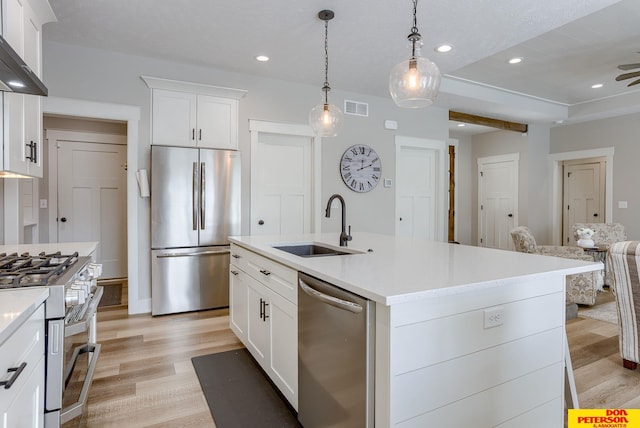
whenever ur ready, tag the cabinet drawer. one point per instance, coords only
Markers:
(274, 275)
(25, 345)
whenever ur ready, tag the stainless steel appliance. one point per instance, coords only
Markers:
(195, 206)
(336, 337)
(70, 316)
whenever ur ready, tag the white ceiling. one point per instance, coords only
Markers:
(567, 46)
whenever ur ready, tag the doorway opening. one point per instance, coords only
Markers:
(138, 268)
(86, 189)
(557, 205)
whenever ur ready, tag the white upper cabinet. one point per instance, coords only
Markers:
(22, 114)
(193, 115)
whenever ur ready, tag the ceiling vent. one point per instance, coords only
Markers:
(356, 108)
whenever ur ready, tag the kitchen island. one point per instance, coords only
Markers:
(464, 336)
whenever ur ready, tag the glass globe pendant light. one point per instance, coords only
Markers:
(414, 83)
(325, 118)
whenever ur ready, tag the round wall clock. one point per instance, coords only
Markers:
(360, 168)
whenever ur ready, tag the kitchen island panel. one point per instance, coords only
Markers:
(456, 335)
(507, 402)
(440, 384)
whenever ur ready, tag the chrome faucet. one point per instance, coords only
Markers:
(344, 236)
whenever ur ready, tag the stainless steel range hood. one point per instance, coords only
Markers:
(15, 75)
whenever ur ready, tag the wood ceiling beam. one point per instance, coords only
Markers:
(487, 121)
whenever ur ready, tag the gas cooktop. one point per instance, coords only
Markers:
(26, 270)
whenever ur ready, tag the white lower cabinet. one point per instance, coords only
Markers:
(238, 302)
(265, 320)
(22, 364)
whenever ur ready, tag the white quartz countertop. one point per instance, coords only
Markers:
(83, 248)
(401, 270)
(16, 306)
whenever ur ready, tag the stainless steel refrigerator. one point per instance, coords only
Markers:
(195, 206)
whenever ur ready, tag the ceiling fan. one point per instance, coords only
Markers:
(631, 75)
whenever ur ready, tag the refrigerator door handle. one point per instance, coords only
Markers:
(195, 253)
(194, 196)
(202, 195)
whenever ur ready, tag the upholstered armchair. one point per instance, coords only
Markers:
(582, 288)
(605, 234)
(623, 263)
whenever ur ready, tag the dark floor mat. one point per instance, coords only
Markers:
(239, 394)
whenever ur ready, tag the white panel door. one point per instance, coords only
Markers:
(583, 197)
(416, 187)
(92, 201)
(420, 210)
(497, 198)
(281, 172)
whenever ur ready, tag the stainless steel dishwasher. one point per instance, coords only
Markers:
(336, 334)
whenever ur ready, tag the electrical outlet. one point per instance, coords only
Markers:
(493, 317)
(43, 203)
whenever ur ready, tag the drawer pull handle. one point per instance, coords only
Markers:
(16, 372)
(235, 273)
(265, 272)
(235, 256)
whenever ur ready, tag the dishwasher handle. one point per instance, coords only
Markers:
(330, 300)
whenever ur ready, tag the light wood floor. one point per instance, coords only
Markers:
(145, 377)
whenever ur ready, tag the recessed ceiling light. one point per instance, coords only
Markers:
(515, 60)
(444, 48)
(262, 58)
(461, 124)
(597, 85)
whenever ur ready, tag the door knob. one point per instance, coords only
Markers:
(63, 219)
(260, 222)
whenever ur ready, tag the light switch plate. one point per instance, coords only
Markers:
(622, 204)
(43, 203)
(387, 182)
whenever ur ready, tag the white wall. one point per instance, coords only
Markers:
(623, 134)
(95, 75)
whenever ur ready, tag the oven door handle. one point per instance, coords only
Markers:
(74, 410)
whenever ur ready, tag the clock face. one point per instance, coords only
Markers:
(360, 168)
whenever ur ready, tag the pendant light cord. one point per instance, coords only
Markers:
(326, 87)
(414, 36)
(414, 29)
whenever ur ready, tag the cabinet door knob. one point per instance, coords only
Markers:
(63, 219)
(509, 215)
(260, 222)
(595, 215)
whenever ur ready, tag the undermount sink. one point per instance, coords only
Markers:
(311, 250)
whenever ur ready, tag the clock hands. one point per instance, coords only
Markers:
(360, 169)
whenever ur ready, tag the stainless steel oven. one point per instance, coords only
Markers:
(70, 315)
